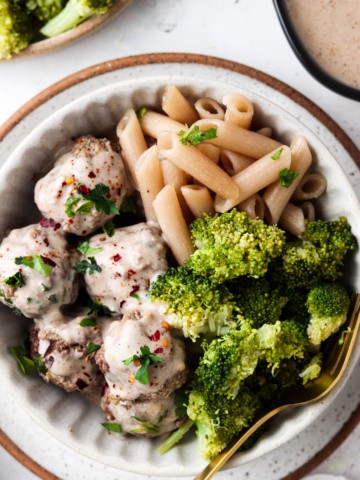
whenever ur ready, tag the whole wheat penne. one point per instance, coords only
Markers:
(198, 199)
(238, 139)
(196, 164)
(209, 108)
(210, 151)
(255, 177)
(311, 186)
(292, 220)
(233, 162)
(150, 180)
(276, 196)
(309, 210)
(177, 107)
(172, 223)
(239, 110)
(266, 131)
(254, 206)
(132, 141)
(153, 123)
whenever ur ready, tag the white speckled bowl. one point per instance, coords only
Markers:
(69, 417)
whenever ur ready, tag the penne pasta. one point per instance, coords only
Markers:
(239, 110)
(254, 206)
(311, 186)
(238, 139)
(309, 211)
(196, 164)
(210, 151)
(132, 141)
(233, 162)
(153, 123)
(292, 220)
(266, 131)
(277, 196)
(177, 107)
(209, 108)
(150, 180)
(172, 223)
(198, 199)
(257, 176)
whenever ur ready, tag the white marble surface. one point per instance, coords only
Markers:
(246, 31)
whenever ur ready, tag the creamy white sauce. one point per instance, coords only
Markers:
(89, 163)
(330, 31)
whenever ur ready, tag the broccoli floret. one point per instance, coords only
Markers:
(75, 12)
(16, 30)
(295, 307)
(199, 306)
(45, 10)
(312, 369)
(318, 256)
(220, 419)
(232, 244)
(259, 301)
(328, 304)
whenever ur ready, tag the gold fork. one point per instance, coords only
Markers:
(336, 357)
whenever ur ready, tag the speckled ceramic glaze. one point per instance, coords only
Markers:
(69, 418)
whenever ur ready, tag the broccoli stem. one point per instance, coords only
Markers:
(175, 437)
(67, 19)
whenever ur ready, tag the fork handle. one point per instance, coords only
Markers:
(215, 465)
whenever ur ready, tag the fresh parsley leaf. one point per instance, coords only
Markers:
(36, 262)
(181, 401)
(286, 177)
(70, 203)
(45, 287)
(84, 266)
(99, 310)
(140, 112)
(84, 247)
(128, 205)
(148, 427)
(135, 295)
(25, 363)
(194, 136)
(99, 197)
(87, 322)
(109, 229)
(53, 299)
(40, 364)
(16, 280)
(92, 347)
(277, 154)
(85, 208)
(146, 358)
(113, 427)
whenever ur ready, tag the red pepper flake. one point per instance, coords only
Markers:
(108, 195)
(49, 223)
(46, 241)
(71, 220)
(81, 384)
(155, 336)
(103, 390)
(48, 261)
(159, 350)
(122, 303)
(91, 174)
(116, 257)
(131, 272)
(83, 189)
(135, 289)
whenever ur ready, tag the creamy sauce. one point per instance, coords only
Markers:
(89, 163)
(40, 293)
(130, 261)
(330, 31)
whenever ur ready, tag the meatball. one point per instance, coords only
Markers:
(36, 271)
(84, 183)
(129, 261)
(143, 419)
(123, 355)
(62, 349)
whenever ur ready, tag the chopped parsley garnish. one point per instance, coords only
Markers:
(99, 310)
(181, 401)
(40, 364)
(70, 202)
(135, 295)
(84, 247)
(146, 426)
(277, 154)
(36, 262)
(85, 208)
(45, 288)
(99, 197)
(128, 205)
(140, 112)
(194, 136)
(146, 358)
(25, 363)
(113, 427)
(53, 299)
(84, 266)
(16, 280)
(109, 229)
(87, 322)
(286, 177)
(92, 347)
